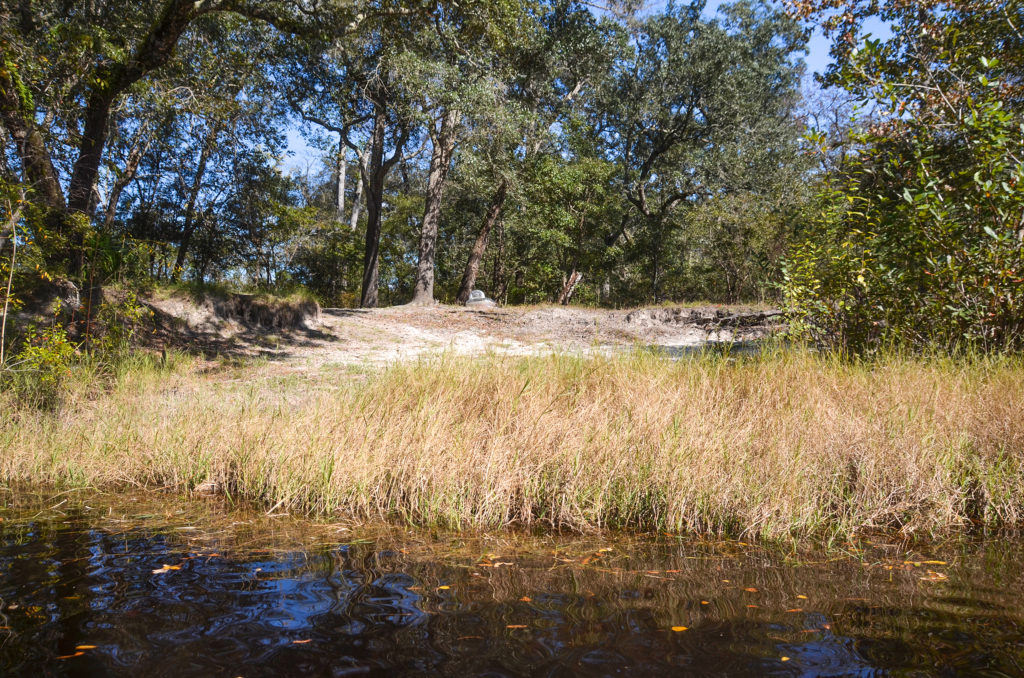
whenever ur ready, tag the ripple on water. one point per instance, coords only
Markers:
(86, 596)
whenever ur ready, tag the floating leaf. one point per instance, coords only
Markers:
(750, 589)
(167, 568)
(525, 599)
(443, 588)
(679, 628)
(802, 597)
(515, 626)
(302, 642)
(785, 659)
(85, 647)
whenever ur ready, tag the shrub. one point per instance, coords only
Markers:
(919, 241)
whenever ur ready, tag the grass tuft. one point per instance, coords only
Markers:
(788, 443)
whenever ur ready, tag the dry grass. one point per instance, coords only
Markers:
(787, 444)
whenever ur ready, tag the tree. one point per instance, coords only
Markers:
(692, 91)
(563, 53)
(920, 241)
(66, 65)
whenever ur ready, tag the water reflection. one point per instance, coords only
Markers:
(84, 595)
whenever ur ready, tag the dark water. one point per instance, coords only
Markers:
(97, 587)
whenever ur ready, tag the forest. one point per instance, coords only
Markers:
(549, 151)
(734, 297)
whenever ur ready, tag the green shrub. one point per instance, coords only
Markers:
(919, 243)
(36, 372)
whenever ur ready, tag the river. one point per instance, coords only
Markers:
(149, 585)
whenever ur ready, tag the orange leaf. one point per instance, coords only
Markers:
(525, 599)
(934, 576)
(302, 642)
(515, 626)
(85, 647)
(679, 628)
(167, 568)
(750, 589)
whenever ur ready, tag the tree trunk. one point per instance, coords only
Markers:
(476, 254)
(90, 151)
(569, 287)
(499, 283)
(357, 199)
(130, 168)
(193, 196)
(37, 167)
(656, 262)
(374, 205)
(440, 162)
(339, 189)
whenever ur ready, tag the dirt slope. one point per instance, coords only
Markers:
(379, 336)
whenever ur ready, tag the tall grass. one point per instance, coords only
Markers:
(772, 445)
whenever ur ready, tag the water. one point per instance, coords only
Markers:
(144, 586)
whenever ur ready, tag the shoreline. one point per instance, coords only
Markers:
(774, 446)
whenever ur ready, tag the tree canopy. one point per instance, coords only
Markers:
(548, 150)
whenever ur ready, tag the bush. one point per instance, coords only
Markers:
(919, 242)
(35, 374)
